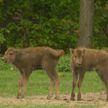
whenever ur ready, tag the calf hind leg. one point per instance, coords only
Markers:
(57, 84)
(105, 81)
(51, 87)
(54, 80)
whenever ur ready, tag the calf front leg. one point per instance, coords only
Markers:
(22, 86)
(81, 77)
(75, 78)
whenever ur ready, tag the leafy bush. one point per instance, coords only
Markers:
(64, 64)
(51, 23)
(36, 23)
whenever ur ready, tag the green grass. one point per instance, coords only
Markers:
(92, 83)
(87, 106)
(39, 82)
(49, 106)
(33, 106)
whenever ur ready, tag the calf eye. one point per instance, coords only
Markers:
(10, 53)
(75, 56)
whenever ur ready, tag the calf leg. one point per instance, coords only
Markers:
(107, 94)
(104, 79)
(51, 87)
(57, 84)
(81, 77)
(25, 80)
(75, 78)
(22, 85)
(54, 83)
(49, 65)
(20, 88)
(106, 85)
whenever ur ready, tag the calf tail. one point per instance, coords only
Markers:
(57, 53)
(60, 53)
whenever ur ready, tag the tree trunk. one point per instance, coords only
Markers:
(26, 40)
(86, 23)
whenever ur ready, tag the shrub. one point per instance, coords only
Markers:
(64, 64)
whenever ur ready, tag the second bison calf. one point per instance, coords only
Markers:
(29, 59)
(83, 60)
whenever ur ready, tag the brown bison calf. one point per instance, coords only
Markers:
(29, 59)
(84, 59)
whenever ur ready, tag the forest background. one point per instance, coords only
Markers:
(53, 23)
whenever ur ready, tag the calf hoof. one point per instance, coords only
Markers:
(72, 99)
(79, 97)
(49, 97)
(20, 97)
(72, 96)
(57, 97)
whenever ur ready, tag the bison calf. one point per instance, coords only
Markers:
(84, 59)
(29, 59)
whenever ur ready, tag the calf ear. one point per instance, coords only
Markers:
(81, 51)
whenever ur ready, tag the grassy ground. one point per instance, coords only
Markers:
(33, 106)
(39, 82)
(47, 106)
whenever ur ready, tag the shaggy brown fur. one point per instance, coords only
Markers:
(83, 60)
(29, 59)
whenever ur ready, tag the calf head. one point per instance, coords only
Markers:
(77, 56)
(10, 55)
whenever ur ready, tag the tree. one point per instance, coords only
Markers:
(52, 23)
(86, 23)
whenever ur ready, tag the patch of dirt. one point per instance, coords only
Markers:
(98, 99)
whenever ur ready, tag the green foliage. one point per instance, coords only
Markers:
(39, 81)
(44, 22)
(38, 85)
(64, 64)
(29, 105)
(48, 22)
(2, 39)
(100, 38)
